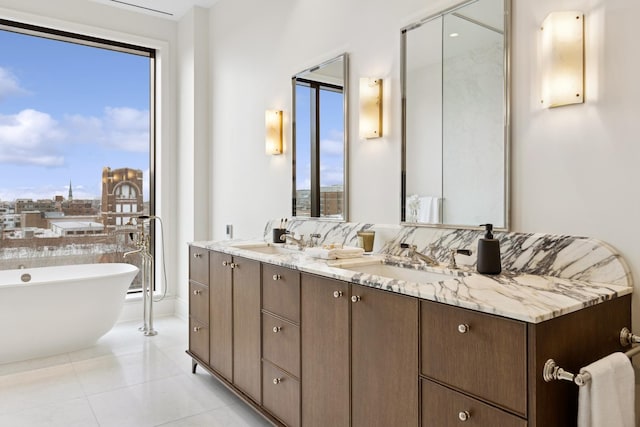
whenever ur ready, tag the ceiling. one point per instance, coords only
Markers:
(168, 9)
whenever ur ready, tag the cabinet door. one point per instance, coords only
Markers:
(384, 365)
(220, 320)
(246, 326)
(325, 351)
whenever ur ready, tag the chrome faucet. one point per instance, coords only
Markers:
(313, 239)
(300, 242)
(22, 267)
(452, 256)
(413, 253)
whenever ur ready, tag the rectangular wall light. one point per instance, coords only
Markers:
(273, 131)
(563, 59)
(370, 108)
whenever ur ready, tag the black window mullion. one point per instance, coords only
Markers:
(315, 150)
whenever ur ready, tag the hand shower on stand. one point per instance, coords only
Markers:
(142, 241)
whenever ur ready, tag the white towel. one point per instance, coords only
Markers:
(335, 253)
(608, 399)
(429, 209)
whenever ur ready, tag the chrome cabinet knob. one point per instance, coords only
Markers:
(196, 328)
(337, 294)
(464, 415)
(234, 265)
(225, 263)
(277, 277)
(463, 328)
(197, 255)
(197, 292)
(355, 298)
(277, 329)
(277, 381)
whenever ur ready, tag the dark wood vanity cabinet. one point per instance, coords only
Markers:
(377, 384)
(306, 350)
(233, 319)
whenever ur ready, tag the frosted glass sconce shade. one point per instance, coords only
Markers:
(563, 59)
(273, 130)
(370, 108)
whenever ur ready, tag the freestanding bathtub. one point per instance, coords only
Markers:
(52, 310)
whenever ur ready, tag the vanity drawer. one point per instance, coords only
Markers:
(281, 394)
(199, 265)
(281, 291)
(199, 301)
(199, 339)
(478, 353)
(443, 407)
(281, 343)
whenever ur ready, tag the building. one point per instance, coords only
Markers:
(121, 196)
(77, 228)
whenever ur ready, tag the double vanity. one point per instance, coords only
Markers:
(384, 339)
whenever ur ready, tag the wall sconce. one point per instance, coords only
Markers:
(273, 131)
(370, 108)
(563, 59)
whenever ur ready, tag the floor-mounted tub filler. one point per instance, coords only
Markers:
(52, 310)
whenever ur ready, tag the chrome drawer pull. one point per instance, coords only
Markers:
(197, 292)
(197, 255)
(276, 329)
(196, 328)
(337, 294)
(277, 381)
(355, 298)
(463, 328)
(277, 277)
(464, 415)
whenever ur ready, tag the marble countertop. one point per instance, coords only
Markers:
(520, 296)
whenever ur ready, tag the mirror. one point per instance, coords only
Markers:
(455, 136)
(320, 140)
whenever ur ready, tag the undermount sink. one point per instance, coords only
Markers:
(402, 273)
(266, 248)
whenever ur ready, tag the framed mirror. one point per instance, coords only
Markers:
(320, 99)
(455, 114)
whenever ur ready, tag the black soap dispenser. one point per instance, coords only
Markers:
(489, 253)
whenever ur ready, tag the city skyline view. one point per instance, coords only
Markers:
(67, 111)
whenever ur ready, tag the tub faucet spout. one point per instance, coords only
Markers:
(126, 254)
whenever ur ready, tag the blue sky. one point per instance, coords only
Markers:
(331, 138)
(66, 111)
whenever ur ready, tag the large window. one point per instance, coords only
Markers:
(76, 146)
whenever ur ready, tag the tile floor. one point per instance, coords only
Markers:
(126, 379)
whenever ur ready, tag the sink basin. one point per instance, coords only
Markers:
(401, 273)
(266, 248)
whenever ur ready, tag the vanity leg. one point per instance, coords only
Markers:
(194, 365)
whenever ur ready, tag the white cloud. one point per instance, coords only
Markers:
(334, 145)
(9, 84)
(30, 138)
(121, 128)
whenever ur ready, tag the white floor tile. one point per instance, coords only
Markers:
(111, 372)
(74, 413)
(228, 416)
(38, 388)
(155, 402)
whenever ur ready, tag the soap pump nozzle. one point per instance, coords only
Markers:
(488, 230)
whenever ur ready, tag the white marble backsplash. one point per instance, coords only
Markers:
(568, 257)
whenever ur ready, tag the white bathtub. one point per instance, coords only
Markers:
(60, 309)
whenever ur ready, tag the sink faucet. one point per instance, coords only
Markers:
(300, 242)
(452, 256)
(413, 253)
(313, 239)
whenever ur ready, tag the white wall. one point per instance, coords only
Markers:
(574, 169)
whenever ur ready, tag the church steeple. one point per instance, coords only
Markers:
(70, 191)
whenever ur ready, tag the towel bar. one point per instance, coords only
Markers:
(552, 371)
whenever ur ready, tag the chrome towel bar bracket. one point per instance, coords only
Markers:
(551, 371)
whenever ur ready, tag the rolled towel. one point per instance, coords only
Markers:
(335, 253)
(609, 398)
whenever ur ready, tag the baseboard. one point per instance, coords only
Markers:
(132, 309)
